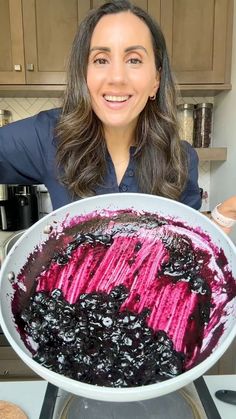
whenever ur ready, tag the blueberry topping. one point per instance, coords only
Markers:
(182, 258)
(96, 342)
(62, 258)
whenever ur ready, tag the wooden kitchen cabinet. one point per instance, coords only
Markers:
(151, 6)
(36, 36)
(199, 39)
(49, 29)
(12, 67)
(198, 36)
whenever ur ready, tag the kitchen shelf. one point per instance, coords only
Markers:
(56, 90)
(212, 153)
(32, 90)
(203, 90)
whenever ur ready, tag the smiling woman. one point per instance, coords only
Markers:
(121, 55)
(121, 101)
(117, 129)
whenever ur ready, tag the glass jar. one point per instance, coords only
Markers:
(186, 120)
(4, 117)
(202, 125)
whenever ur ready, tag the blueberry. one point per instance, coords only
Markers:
(138, 246)
(40, 297)
(105, 239)
(62, 259)
(107, 321)
(56, 294)
(200, 286)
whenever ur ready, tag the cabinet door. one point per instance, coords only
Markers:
(49, 30)
(12, 69)
(197, 37)
(151, 6)
(154, 9)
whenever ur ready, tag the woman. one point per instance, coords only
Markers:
(117, 129)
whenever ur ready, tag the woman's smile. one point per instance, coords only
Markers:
(117, 102)
(116, 98)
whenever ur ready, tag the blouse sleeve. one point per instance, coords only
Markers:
(191, 194)
(23, 149)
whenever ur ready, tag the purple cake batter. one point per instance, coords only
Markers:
(170, 275)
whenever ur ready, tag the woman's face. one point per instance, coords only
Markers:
(121, 73)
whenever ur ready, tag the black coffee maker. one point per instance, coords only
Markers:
(18, 207)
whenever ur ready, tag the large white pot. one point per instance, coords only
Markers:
(35, 235)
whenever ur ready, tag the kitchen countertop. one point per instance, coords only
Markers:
(29, 395)
(220, 382)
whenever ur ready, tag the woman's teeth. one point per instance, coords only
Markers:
(116, 98)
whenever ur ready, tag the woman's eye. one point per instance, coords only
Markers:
(100, 61)
(134, 61)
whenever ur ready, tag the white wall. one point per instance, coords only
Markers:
(223, 175)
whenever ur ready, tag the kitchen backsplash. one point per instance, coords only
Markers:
(24, 107)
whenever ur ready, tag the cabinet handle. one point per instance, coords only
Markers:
(30, 67)
(17, 67)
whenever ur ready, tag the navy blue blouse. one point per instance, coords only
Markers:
(27, 156)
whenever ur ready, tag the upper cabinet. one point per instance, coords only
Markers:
(199, 39)
(12, 66)
(153, 7)
(36, 37)
(49, 29)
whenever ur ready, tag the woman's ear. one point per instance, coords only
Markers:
(156, 84)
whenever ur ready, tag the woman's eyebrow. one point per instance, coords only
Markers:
(134, 47)
(128, 49)
(104, 49)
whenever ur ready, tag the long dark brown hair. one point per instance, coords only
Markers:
(81, 152)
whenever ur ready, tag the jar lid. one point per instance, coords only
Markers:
(204, 105)
(182, 106)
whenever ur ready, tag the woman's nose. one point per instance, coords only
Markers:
(117, 72)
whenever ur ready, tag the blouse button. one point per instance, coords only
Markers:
(124, 188)
(131, 173)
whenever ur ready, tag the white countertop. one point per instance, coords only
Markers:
(29, 395)
(222, 382)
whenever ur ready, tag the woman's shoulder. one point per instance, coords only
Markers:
(34, 132)
(43, 125)
(48, 117)
(43, 122)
